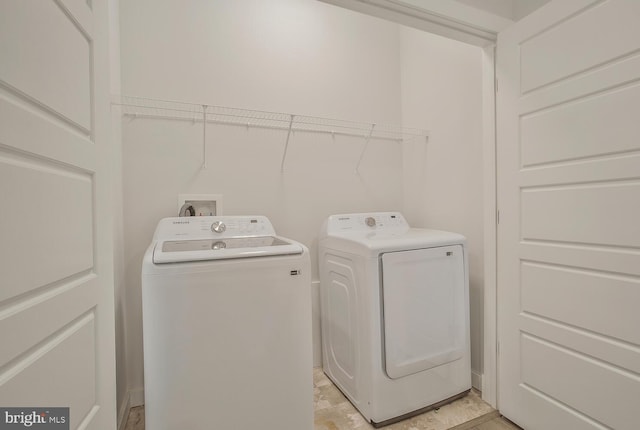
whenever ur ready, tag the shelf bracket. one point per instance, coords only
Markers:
(286, 145)
(364, 149)
(204, 136)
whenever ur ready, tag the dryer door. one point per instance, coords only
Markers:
(424, 309)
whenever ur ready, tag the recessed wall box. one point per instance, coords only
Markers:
(199, 204)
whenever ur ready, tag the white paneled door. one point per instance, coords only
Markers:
(569, 202)
(56, 276)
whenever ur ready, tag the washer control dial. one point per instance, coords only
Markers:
(219, 245)
(218, 227)
(370, 221)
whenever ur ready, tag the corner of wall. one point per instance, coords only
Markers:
(132, 399)
(476, 380)
(489, 356)
(123, 411)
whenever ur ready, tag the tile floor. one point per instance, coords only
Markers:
(334, 412)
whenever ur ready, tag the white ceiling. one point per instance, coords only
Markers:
(512, 9)
(471, 21)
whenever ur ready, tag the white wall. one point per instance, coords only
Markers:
(287, 55)
(297, 56)
(443, 188)
(305, 57)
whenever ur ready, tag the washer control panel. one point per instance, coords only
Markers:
(376, 221)
(218, 227)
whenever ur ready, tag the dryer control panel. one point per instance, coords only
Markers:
(375, 221)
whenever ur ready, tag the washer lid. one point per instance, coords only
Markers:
(176, 251)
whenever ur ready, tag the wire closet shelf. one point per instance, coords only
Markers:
(141, 107)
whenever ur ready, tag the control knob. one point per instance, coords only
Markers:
(218, 227)
(371, 221)
(219, 245)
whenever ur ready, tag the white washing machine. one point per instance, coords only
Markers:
(395, 314)
(227, 327)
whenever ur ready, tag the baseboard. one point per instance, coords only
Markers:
(132, 398)
(136, 397)
(123, 411)
(476, 380)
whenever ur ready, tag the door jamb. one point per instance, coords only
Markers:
(490, 308)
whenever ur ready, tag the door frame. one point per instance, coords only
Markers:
(489, 383)
(463, 24)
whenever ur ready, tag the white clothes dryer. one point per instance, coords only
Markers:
(395, 314)
(227, 326)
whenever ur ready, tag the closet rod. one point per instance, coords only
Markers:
(141, 107)
(267, 127)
